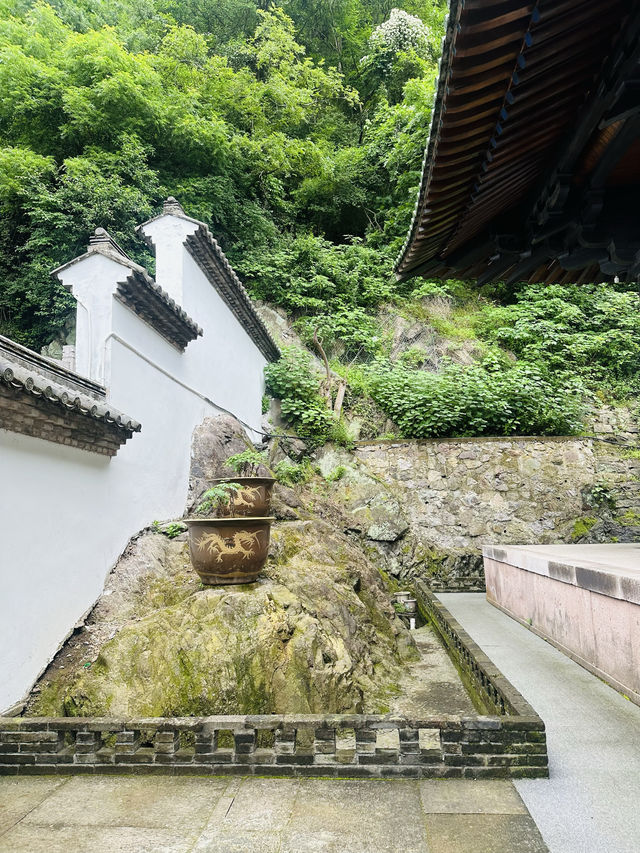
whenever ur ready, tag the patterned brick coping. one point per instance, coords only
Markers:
(511, 744)
(45, 400)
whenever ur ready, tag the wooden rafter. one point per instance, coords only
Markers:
(527, 98)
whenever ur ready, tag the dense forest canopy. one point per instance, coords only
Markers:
(296, 131)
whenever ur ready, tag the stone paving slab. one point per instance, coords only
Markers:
(456, 796)
(261, 806)
(91, 839)
(463, 833)
(240, 841)
(361, 817)
(147, 814)
(19, 796)
(167, 803)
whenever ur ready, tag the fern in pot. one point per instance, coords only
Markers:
(252, 497)
(225, 547)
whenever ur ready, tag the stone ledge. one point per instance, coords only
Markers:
(583, 566)
(496, 691)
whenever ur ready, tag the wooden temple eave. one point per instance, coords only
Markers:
(530, 131)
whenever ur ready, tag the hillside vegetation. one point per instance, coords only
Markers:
(297, 133)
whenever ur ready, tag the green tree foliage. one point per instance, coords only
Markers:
(293, 381)
(258, 120)
(591, 329)
(297, 133)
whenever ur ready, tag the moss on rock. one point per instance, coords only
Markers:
(582, 526)
(315, 634)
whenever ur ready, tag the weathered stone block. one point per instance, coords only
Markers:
(127, 741)
(87, 742)
(166, 743)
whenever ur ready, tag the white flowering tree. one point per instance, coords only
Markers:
(399, 49)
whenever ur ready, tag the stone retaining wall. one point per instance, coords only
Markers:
(345, 746)
(511, 744)
(428, 507)
(467, 492)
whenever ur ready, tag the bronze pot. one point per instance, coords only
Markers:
(228, 550)
(253, 499)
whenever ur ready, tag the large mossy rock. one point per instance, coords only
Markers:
(316, 634)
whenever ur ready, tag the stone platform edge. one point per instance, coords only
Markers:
(508, 744)
(593, 578)
(624, 689)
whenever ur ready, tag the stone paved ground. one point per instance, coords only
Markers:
(591, 802)
(101, 814)
(431, 684)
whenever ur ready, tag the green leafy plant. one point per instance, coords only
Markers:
(170, 530)
(592, 329)
(293, 473)
(413, 357)
(247, 463)
(293, 381)
(218, 496)
(483, 399)
(339, 433)
(600, 495)
(348, 329)
(337, 474)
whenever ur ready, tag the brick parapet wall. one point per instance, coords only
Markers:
(39, 418)
(337, 745)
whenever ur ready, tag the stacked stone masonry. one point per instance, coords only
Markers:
(446, 499)
(351, 746)
(471, 492)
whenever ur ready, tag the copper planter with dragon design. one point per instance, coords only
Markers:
(228, 550)
(253, 499)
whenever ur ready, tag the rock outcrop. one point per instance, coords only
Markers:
(316, 634)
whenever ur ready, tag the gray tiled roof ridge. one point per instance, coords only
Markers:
(51, 368)
(102, 243)
(142, 277)
(444, 68)
(245, 311)
(16, 375)
(242, 306)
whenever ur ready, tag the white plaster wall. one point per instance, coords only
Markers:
(94, 282)
(66, 514)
